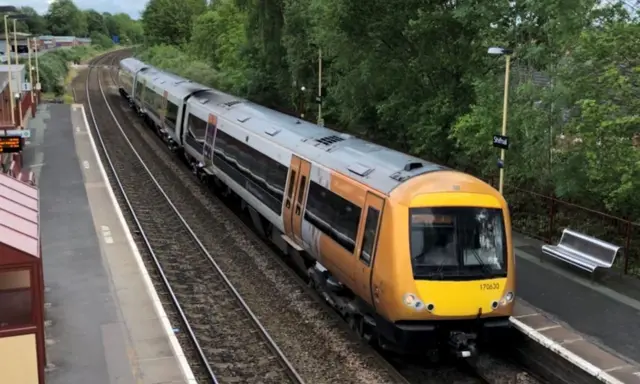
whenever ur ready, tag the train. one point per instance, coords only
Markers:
(417, 257)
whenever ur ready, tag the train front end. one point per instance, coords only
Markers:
(452, 265)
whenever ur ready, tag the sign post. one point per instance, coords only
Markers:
(502, 142)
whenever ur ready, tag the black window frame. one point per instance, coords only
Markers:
(172, 113)
(370, 253)
(329, 213)
(264, 177)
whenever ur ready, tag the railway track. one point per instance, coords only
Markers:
(231, 342)
(329, 356)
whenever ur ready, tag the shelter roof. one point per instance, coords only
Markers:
(19, 216)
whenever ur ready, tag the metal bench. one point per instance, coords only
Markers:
(582, 251)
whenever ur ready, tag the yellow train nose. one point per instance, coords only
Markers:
(463, 298)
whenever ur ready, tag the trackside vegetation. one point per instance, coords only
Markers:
(418, 78)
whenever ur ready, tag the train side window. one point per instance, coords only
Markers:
(370, 232)
(197, 126)
(172, 112)
(301, 188)
(292, 181)
(332, 214)
(242, 162)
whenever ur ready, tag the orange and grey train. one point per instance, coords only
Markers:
(415, 255)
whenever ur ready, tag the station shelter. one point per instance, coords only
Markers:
(22, 347)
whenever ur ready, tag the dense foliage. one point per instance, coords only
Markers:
(417, 77)
(54, 66)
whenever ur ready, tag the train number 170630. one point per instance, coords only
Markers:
(489, 286)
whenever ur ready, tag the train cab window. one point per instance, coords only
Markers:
(301, 188)
(370, 232)
(457, 243)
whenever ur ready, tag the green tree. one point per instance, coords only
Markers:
(101, 40)
(216, 38)
(95, 22)
(169, 21)
(34, 23)
(65, 19)
(418, 78)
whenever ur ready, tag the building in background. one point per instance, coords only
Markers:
(21, 38)
(19, 80)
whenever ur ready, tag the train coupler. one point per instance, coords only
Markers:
(463, 344)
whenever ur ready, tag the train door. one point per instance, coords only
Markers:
(294, 198)
(366, 245)
(209, 139)
(163, 109)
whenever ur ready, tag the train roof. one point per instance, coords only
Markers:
(132, 65)
(212, 96)
(381, 168)
(173, 84)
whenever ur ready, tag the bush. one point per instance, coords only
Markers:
(54, 66)
(175, 60)
(101, 40)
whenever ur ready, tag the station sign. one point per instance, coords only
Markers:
(10, 144)
(500, 141)
(24, 133)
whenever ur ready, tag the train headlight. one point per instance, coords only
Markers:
(506, 299)
(411, 300)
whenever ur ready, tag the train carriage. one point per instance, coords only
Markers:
(194, 127)
(129, 68)
(415, 255)
(347, 199)
(161, 98)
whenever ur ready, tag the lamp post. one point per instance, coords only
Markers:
(19, 101)
(302, 89)
(30, 72)
(8, 56)
(320, 120)
(38, 86)
(15, 39)
(507, 54)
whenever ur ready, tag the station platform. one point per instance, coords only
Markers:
(98, 299)
(104, 321)
(596, 322)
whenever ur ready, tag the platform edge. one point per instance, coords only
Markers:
(162, 315)
(565, 353)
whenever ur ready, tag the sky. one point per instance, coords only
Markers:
(132, 7)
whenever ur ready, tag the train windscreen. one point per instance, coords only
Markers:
(458, 243)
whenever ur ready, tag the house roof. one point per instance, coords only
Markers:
(58, 39)
(19, 217)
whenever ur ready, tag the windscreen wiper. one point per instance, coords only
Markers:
(485, 268)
